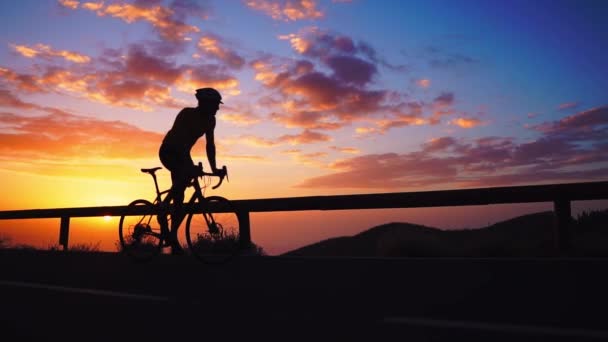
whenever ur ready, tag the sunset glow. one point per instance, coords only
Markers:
(321, 97)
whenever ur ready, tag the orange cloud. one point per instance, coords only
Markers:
(213, 47)
(423, 83)
(287, 10)
(21, 81)
(93, 6)
(466, 122)
(367, 131)
(350, 150)
(72, 136)
(45, 51)
(72, 4)
(309, 159)
(239, 118)
(161, 18)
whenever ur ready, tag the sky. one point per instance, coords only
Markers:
(321, 97)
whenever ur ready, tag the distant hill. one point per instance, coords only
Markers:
(527, 235)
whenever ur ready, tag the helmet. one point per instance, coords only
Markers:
(208, 94)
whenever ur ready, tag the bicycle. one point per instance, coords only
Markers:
(212, 233)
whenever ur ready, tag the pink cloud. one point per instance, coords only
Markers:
(7, 99)
(487, 161)
(567, 105)
(135, 79)
(306, 137)
(304, 119)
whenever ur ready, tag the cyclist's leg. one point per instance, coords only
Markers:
(179, 179)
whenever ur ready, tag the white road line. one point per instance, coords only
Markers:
(498, 327)
(94, 292)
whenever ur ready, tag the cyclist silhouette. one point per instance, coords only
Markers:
(190, 124)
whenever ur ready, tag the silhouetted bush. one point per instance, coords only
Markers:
(4, 241)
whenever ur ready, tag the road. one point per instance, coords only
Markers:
(106, 296)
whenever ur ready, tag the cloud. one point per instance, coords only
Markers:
(313, 42)
(7, 99)
(167, 21)
(59, 135)
(312, 99)
(72, 4)
(207, 75)
(329, 87)
(305, 119)
(308, 159)
(423, 83)
(45, 51)
(134, 78)
(439, 58)
(349, 150)
(23, 82)
(570, 149)
(567, 105)
(442, 105)
(305, 137)
(214, 47)
(287, 10)
(587, 125)
(466, 122)
(239, 118)
(351, 70)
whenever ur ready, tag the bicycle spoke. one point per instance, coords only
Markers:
(213, 237)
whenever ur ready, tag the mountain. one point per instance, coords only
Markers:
(527, 235)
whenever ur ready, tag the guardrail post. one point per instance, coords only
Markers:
(244, 229)
(563, 225)
(64, 232)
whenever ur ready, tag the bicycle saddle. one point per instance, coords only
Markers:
(151, 171)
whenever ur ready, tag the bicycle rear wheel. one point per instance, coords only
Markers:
(140, 235)
(213, 236)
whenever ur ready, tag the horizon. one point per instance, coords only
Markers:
(321, 98)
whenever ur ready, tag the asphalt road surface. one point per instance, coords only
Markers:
(59, 296)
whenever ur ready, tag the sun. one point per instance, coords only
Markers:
(107, 218)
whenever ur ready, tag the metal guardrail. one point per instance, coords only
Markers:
(560, 194)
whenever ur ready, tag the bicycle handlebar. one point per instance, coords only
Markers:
(224, 174)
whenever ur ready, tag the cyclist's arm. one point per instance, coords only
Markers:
(210, 136)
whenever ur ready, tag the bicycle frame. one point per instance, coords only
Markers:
(213, 239)
(197, 194)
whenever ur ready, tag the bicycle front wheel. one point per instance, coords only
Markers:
(140, 235)
(213, 236)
